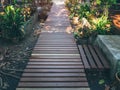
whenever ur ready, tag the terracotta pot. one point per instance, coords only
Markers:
(116, 23)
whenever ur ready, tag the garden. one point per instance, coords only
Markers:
(20, 27)
(21, 22)
(89, 19)
(93, 17)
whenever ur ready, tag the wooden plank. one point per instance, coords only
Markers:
(84, 59)
(64, 37)
(53, 79)
(54, 34)
(61, 56)
(38, 47)
(58, 24)
(51, 85)
(56, 38)
(96, 59)
(62, 45)
(54, 23)
(56, 17)
(59, 43)
(63, 28)
(79, 74)
(57, 29)
(89, 57)
(59, 21)
(56, 51)
(53, 70)
(55, 48)
(54, 63)
(102, 58)
(55, 60)
(59, 39)
(54, 67)
(55, 43)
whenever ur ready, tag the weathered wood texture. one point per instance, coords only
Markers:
(93, 58)
(55, 60)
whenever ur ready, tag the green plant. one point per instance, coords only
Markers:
(96, 26)
(26, 12)
(72, 6)
(103, 5)
(101, 25)
(12, 22)
(83, 10)
(93, 17)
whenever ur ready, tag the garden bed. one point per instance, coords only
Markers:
(17, 54)
(90, 20)
(15, 60)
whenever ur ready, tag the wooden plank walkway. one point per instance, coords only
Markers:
(55, 61)
(93, 59)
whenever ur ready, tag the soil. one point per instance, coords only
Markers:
(98, 80)
(15, 59)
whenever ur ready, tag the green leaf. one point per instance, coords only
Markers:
(102, 81)
(98, 2)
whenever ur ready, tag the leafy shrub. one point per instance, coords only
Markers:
(101, 25)
(83, 10)
(93, 17)
(26, 12)
(97, 26)
(12, 22)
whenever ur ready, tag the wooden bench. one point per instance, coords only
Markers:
(93, 59)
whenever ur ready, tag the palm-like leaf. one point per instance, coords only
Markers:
(13, 20)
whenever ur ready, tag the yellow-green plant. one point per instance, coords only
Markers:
(101, 25)
(12, 22)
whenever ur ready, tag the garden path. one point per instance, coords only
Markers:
(55, 61)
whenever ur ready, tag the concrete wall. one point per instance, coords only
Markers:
(110, 45)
